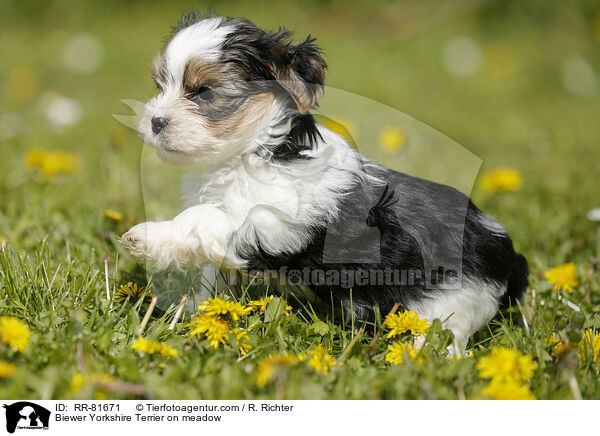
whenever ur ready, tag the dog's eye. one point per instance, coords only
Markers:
(204, 94)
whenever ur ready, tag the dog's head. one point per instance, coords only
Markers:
(221, 82)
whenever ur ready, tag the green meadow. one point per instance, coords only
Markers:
(484, 84)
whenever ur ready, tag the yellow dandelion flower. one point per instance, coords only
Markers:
(267, 369)
(507, 390)
(552, 339)
(7, 369)
(462, 356)
(2, 241)
(240, 337)
(392, 139)
(51, 163)
(113, 215)
(557, 344)
(133, 292)
(398, 350)
(562, 277)
(218, 306)
(319, 359)
(213, 328)
(79, 380)
(260, 304)
(501, 179)
(15, 333)
(562, 347)
(399, 323)
(506, 364)
(302, 356)
(167, 351)
(143, 345)
(589, 345)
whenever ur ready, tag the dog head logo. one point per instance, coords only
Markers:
(26, 415)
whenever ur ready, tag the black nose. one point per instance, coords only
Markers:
(158, 123)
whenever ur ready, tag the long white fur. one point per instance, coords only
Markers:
(203, 38)
(248, 197)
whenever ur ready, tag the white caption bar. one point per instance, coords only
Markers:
(418, 418)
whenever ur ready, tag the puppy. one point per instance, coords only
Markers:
(281, 193)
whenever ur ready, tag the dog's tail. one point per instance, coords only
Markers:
(517, 281)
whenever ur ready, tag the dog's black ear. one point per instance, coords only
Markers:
(299, 68)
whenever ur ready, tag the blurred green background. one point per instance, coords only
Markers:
(514, 82)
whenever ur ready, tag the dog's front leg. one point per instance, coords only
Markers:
(198, 235)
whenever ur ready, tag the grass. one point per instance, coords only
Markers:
(52, 267)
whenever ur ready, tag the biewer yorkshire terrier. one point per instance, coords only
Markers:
(280, 192)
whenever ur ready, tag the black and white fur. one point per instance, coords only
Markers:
(281, 192)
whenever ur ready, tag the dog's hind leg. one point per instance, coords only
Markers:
(462, 311)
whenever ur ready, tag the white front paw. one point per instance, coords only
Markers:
(136, 240)
(159, 243)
